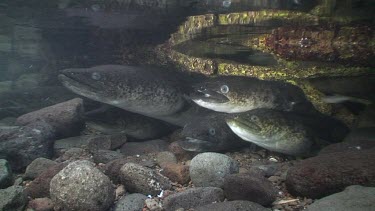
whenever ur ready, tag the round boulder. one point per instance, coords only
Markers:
(209, 169)
(81, 186)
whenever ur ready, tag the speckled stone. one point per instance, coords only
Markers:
(81, 186)
(139, 179)
(193, 197)
(209, 169)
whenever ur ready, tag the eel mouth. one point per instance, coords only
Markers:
(208, 95)
(196, 145)
(79, 87)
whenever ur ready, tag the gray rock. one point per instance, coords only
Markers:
(233, 206)
(309, 177)
(12, 199)
(209, 169)
(353, 198)
(193, 197)
(73, 142)
(106, 156)
(37, 167)
(74, 154)
(166, 157)
(81, 186)
(112, 168)
(141, 148)
(66, 117)
(267, 169)
(91, 142)
(6, 176)
(131, 202)
(139, 179)
(253, 187)
(106, 142)
(23, 145)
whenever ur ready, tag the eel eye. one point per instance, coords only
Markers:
(224, 89)
(95, 76)
(212, 131)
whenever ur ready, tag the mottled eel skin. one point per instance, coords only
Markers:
(152, 92)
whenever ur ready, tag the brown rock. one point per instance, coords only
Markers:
(41, 204)
(349, 146)
(177, 173)
(141, 148)
(180, 153)
(39, 188)
(112, 168)
(253, 187)
(165, 158)
(65, 117)
(330, 173)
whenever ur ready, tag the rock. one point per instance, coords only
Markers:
(20, 146)
(232, 206)
(106, 142)
(193, 197)
(209, 169)
(267, 169)
(73, 142)
(112, 168)
(41, 204)
(154, 204)
(81, 186)
(18, 181)
(353, 198)
(12, 199)
(74, 154)
(37, 167)
(140, 148)
(165, 158)
(177, 173)
(131, 202)
(91, 142)
(106, 156)
(253, 187)
(6, 176)
(348, 146)
(40, 186)
(138, 179)
(330, 173)
(66, 117)
(120, 191)
(180, 153)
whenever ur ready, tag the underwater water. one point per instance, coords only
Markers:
(187, 105)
